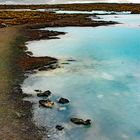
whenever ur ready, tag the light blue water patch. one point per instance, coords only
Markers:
(108, 42)
(91, 12)
(131, 20)
(102, 84)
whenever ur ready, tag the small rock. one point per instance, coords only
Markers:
(29, 53)
(59, 127)
(46, 103)
(63, 101)
(37, 90)
(48, 136)
(71, 60)
(44, 94)
(2, 25)
(80, 121)
(65, 63)
(43, 68)
(24, 95)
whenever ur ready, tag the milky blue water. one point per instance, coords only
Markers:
(91, 12)
(102, 84)
(126, 20)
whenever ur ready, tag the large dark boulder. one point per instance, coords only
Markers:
(63, 101)
(44, 94)
(46, 103)
(80, 121)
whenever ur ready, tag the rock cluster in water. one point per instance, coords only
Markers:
(50, 104)
(44, 94)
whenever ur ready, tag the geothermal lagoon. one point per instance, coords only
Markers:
(102, 82)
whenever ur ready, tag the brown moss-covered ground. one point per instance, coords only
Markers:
(134, 8)
(9, 18)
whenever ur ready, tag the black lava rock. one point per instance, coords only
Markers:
(63, 101)
(80, 121)
(59, 127)
(44, 94)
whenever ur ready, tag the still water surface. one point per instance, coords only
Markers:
(102, 84)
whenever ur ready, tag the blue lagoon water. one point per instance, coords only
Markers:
(102, 84)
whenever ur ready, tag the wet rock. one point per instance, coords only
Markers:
(80, 121)
(65, 63)
(46, 103)
(24, 95)
(63, 101)
(59, 127)
(71, 60)
(29, 53)
(2, 25)
(37, 90)
(43, 69)
(53, 66)
(50, 66)
(44, 94)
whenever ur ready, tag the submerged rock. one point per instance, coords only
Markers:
(80, 121)
(63, 101)
(46, 103)
(59, 127)
(50, 66)
(65, 63)
(71, 60)
(61, 108)
(44, 94)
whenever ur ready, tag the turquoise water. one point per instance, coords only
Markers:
(102, 84)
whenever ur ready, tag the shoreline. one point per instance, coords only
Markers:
(16, 114)
(16, 118)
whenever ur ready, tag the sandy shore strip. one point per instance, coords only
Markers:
(15, 114)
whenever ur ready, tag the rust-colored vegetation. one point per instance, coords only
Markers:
(8, 18)
(135, 8)
(26, 61)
